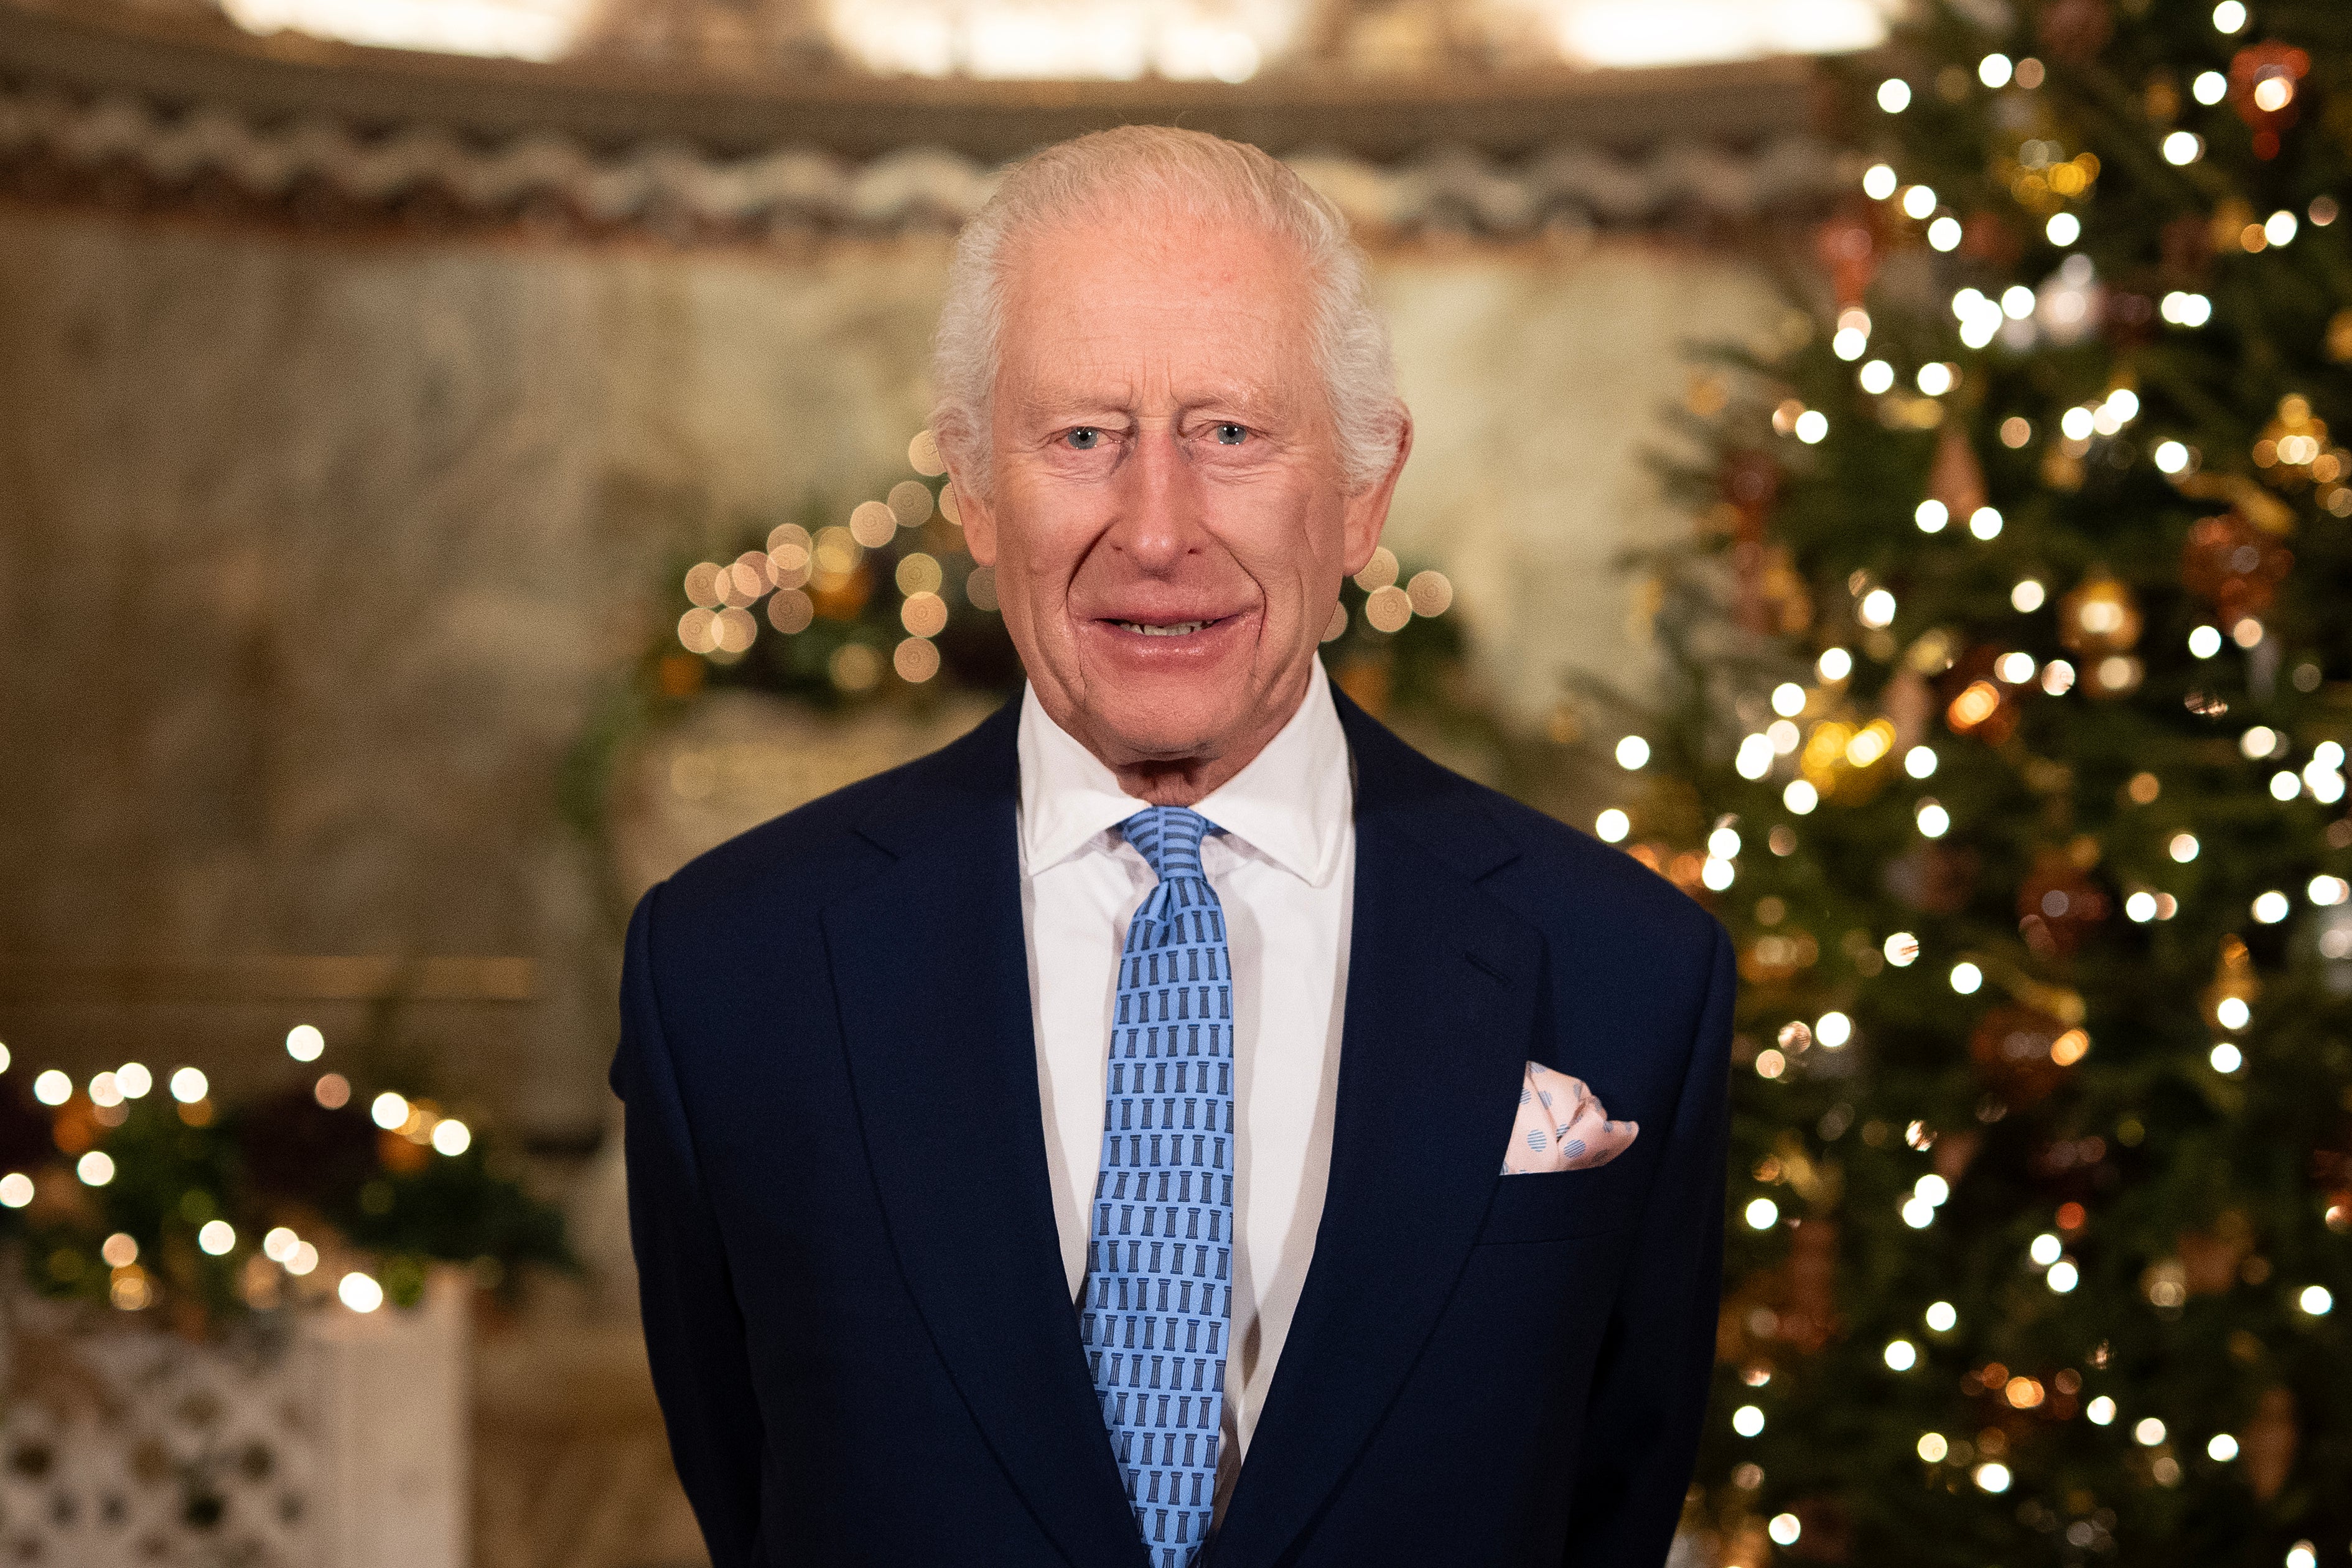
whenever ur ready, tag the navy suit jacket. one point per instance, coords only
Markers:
(853, 1287)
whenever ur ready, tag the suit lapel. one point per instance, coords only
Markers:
(931, 970)
(1441, 990)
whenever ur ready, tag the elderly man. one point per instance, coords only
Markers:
(1176, 1124)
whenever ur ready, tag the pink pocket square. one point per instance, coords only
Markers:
(1562, 1127)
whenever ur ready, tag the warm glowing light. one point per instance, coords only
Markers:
(1801, 797)
(217, 1237)
(1876, 609)
(2315, 1301)
(2272, 906)
(2102, 1411)
(389, 1110)
(1943, 1318)
(2063, 228)
(359, 1293)
(189, 1086)
(452, 1137)
(1763, 1213)
(1992, 1478)
(2221, 1447)
(523, 29)
(1785, 1528)
(279, 1244)
(134, 1080)
(2148, 1433)
(2226, 1057)
(15, 1189)
(1611, 825)
(2182, 847)
(303, 1260)
(1894, 95)
(304, 1043)
(95, 1168)
(1967, 978)
(1902, 950)
(1833, 1030)
(1878, 182)
(1633, 752)
(1748, 1421)
(1119, 41)
(1933, 1447)
(1788, 699)
(53, 1088)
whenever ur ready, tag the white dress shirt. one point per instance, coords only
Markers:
(1283, 863)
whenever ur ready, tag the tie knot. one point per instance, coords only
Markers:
(1169, 838)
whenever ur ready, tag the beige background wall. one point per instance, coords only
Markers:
(314, 556)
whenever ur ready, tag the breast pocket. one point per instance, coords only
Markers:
(1550, 1205)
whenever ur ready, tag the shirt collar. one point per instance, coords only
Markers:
(1290, 804)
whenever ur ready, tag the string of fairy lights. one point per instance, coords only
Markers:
(106, 1100)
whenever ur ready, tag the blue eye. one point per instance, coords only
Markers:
(1229, 434)
(1085, 438)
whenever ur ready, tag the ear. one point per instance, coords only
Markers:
(979, 518)
(1367, 509)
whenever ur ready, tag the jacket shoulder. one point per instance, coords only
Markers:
(1555, 856)
(806, 852)
(1565, 880)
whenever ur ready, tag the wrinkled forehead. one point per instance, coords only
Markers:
(1147, 298)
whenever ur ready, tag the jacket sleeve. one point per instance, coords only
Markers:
(694, 1328)
(1649, 1394)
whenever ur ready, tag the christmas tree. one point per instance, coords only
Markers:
(2014, 685)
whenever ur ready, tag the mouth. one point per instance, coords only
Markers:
(1166, 628)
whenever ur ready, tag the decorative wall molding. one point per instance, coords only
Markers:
(129, 150)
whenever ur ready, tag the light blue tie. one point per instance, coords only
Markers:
(1159, 1291)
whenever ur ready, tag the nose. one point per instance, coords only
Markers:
(1157, 519)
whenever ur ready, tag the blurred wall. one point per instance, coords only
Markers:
(315, 554)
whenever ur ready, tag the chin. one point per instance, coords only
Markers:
(1156, 720)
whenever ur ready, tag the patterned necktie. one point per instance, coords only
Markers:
(1159, 1291)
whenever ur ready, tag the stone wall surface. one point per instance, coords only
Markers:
(316, 555)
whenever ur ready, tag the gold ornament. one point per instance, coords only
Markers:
(2100, 618)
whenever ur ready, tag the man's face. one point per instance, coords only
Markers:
(1169, 517)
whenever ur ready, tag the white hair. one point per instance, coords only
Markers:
(1158, 168)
